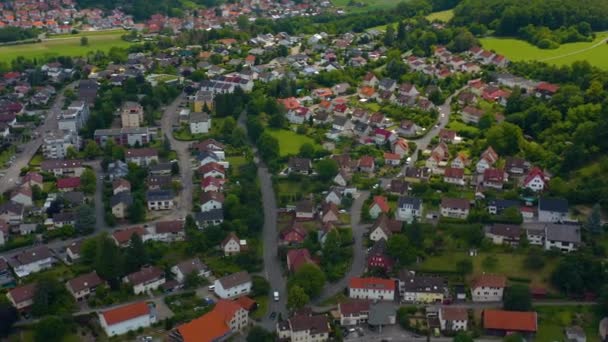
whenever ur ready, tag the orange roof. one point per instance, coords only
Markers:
(391, 156)
(490, 280)
(510, 320)
(367, 91)
(245, 302)
(125, 313)
(372, 283)
(290, 103)
(212, 325)
(381, 202)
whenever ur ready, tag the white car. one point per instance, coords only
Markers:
(276, 296)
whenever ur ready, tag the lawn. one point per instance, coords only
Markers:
(66, 46)
(368, 5)
(262, 309)
(290, 142)
(508, 264)
(6, 155)
(518, 50)
(235, 163)
(553, 320)
(444, 16)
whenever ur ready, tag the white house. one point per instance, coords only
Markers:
(563, 237)
(232, 245)
(146, 279)
(233, 285)
(304, 328)
(200, 123)
(455, 207)
(535, 180)
(354, 312)
(186, 267)
(31, 261)
(126, 318)
(552, 209)
(453, 319)
(488, 288)
(371, 288)
(409, 208)
(211, 200)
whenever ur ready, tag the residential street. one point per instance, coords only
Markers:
(100, 214)
(11, 174)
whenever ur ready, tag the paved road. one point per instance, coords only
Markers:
(358, 264)
(11, 174)
(170, 117)
(100, 213)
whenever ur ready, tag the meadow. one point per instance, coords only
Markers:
(65, 45)
(444, 16)
(369, 5)
(518, 50)
(290, 142)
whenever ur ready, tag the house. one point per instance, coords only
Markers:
(426, 289)
(488, 158)
(294, 235)
(379, 206)
(366, 164)
(494, 178)
(353, 312)
(488, 288)
(408, 209)
(159, 199)
(166, 231)
(122, 237)
(212, 184)
(392, 159)
(371, 288)
(378, 257)
(120, 185)
(66, 218)
(498, 205)
(330, 213)
(387, 84)
(127, 318)
(158, 182)
(62, 167)
(453, 175)
(297, 258)
(147, 279)
(233, 285)
(27, 228)
(516, 166)
(400, 147)
(226, 318)
(305, 210)
(209, 218)
(546, 90)
(4, 234)
(68, 184)
(447, 136)
(503, 234)
(304, 327)
(471, 114)
(460, 161)
(502, 322)
(120, 203)
(232, 245)
(11, 212)
(383, 228)
(535, 180)
(211, 201)
(23, 195)
(84, 285)
(370, 79)
(199, 123)
(381, 314)
(141, 156)
(299, 115)
(398, 187)
(299, 165)
(552, 209)
(334, 195)
(453, 319)
(563, 237)
(118, 169)
(455, 207)
(408, 128)
(32, 179)
(132, 114)
(160, 169)
(32, 260)
(73, 251)
(212, 170)
(187, 267)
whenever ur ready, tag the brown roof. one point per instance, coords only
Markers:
(145, 274)
(507, 230)
(317, 324)
(33, 254)
(457, 203)
(235, 279)
(123, 236)
(453, 172)
(454, 314)
(191, 265)
(354, 307)
(121, 182)
(490, 280)
(212, 196)
(231, 236)
(23, 293)
(89, 280)
(245, 302)
(174, 226)
(60, 164)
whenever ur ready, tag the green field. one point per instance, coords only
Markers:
(67, 46)
(369, 5)
(518, 50)
(444, 16)
(289, 141)
(553, 320)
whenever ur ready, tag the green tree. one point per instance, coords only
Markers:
(84, 41)
(136, 211)
(518, 298)
(464, 266)
(51, 297)
(8, 317)
(399, 248)
(51, 329)
(594, 220)
(603, 300)
(327, 169)
(513, 338)
(268, 147)
(462, 337)
(310, 278)
(489, 263)
(135, 254)
(71, 153)
(534, 260)
(108, 262)
(506, 138)
(297, 298)
(389, 36)
(192, 280)
(259, 334)
(91, 150)
(307, 150)
(259, 286)
(88, 181)
(85, 219)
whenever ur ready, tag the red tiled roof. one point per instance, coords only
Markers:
(210, 326)
(510, 320)
(372, 283)
(366, 161)
(490, 280)
(548, 87)
(297, 258)
(68, 183)
(123, 236)
(23, 293)
(533, 173)
(245, 302)
(452, 172)
(125, 313)
(381, 202)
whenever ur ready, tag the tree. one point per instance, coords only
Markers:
(464, 266)
(108, 260)
(88, 181)
(462, 337)
(594, 223)
(307, 150)
(513, 338)
(8, 317)
(534, 260)
(91, 150)
(327, 169)
(603, 300)
(135, 254)
(310, 278)
(389, 36)
(136, 211)
(398, 246)
(518, 298)
(506, 138)
(50, 297)
(489, 263)
(71, 153)
(51, 329)
(297, 298)
(259, 286)
(84, 41)
(259, 334)
(268, 147)
(85, 219)
(192, 280)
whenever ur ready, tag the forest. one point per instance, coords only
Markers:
(13, 34)
(545, 23)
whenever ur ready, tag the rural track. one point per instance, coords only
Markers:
(603, 41)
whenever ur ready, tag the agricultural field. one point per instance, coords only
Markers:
(290, 142)
(68, 45)
(444, 16)
(368, 4)
(518, 50)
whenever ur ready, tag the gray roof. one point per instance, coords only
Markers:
(199, 117)
(121, 197)
(415, 202)
(553, 204)
(506, 230)
(235, 279)
(422, 283)
(563, 232)
(211, 215)
(159, 195)
(381, 314)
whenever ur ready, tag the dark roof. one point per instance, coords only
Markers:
(563, 232)
(501, 204)
(317, 324)
(211, 215)
(32, 255)
(235, 279)
(191, 265)
(553, 204)
(23, 293)
(174, 226)
(378, 249)
(415, 202)
(304, 206)
(89, 280)
(159, 195)
(300, 164)
(457, 203)
(422, 283)
(121, 197)
(145, 274)
(506, 230)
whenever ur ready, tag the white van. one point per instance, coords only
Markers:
(276, 296)
(211, 287)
